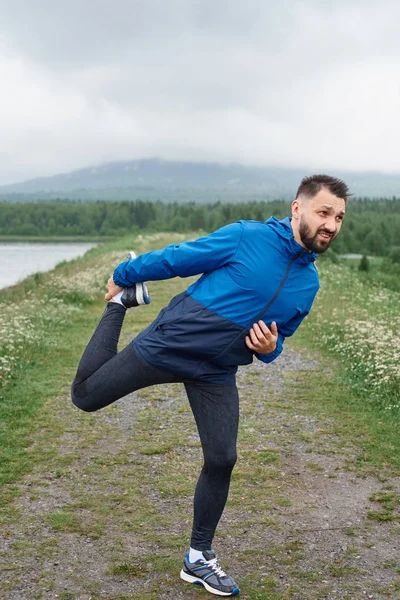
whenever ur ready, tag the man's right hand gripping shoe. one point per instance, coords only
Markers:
(137, 294)
(208, 573)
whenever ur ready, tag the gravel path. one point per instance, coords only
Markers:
(108, 514)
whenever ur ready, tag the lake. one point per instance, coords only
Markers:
(20, 259)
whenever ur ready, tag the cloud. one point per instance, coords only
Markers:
(304, 84)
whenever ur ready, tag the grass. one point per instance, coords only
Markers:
(131, 569)
(45, 321)
(340, 568)
(354, 328)
(375, 432)
(38, 378)
(357, 321)
(142, 487)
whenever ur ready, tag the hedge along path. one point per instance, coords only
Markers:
(107, 513)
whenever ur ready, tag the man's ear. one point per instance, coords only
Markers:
(296, 209)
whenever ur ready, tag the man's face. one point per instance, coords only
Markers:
(317, 221)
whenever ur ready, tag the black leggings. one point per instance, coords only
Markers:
(104, 375)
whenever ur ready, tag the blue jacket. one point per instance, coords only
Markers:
(250, 271)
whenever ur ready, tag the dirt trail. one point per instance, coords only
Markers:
(110, 516)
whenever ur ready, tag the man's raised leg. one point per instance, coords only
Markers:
(104, 375)
(103, 344)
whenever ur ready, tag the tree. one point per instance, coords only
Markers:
(394, 254)
(364, 263)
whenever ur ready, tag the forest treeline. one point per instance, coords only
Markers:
(371, 226)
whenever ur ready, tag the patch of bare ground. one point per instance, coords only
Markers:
(108, 516)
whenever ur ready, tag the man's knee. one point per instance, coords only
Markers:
(222, 462)
(82, 402)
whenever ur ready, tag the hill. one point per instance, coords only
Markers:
(157, 179)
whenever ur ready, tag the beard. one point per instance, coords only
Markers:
(312, 242)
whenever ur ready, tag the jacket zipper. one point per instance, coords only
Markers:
(264, 310)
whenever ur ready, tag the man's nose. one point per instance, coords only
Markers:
(330, 224)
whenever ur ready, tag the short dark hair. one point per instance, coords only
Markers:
(310, 186)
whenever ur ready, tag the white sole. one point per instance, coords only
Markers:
(191, 579)
(139, 294)
(139, 288)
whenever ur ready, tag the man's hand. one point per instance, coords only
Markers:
(261, 339)
(113, 289)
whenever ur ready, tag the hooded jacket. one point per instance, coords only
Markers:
(251, 270)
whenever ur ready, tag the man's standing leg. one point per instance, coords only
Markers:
(216, 411)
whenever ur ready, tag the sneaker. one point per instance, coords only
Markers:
(137, 294)
(208, 573)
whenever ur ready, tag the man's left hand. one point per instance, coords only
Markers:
(261, 339)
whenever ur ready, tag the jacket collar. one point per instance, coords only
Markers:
(283, 228)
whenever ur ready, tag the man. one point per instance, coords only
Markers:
(258, 283)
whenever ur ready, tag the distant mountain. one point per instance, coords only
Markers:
(167, 180)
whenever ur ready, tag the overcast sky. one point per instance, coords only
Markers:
(312, 84)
